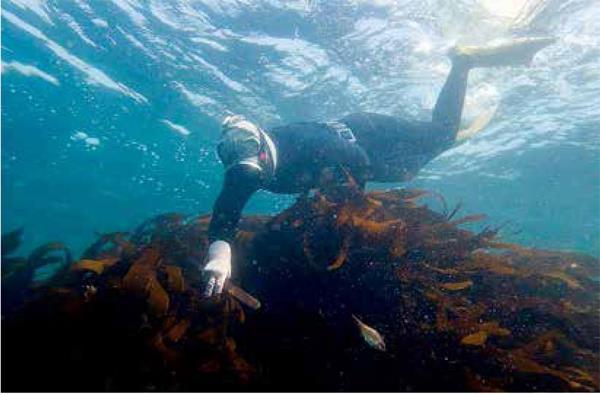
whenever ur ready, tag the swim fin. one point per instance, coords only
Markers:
(478, 124)
(518, 51)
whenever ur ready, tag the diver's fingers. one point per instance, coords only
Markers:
(220, 284)
(210, 286)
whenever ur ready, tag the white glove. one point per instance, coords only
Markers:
(218, 267)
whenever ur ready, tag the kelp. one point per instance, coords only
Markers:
(18, 273)
(11, 241)
(484, 331)
(459, 309)
(95, 266)
(109, 245)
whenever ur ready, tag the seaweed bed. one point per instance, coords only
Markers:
(459, 310)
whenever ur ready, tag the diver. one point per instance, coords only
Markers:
(298, 157)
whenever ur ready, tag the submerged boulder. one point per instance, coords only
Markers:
(458, 310)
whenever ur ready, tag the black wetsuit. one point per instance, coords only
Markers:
(386, 149)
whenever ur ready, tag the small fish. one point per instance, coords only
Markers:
(370, 335)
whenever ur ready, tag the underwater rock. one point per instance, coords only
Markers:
(459, 310)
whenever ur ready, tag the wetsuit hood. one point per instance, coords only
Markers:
(240, 140)
(243, 142)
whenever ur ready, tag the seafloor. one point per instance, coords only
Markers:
(458, 310)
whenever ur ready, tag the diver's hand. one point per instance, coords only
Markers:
(217, 268)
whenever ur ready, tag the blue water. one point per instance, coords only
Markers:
(111, 109)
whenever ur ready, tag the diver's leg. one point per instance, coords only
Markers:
(448, 108)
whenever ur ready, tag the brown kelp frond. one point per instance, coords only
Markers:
(441, 200)
(95, 266)
(141, 279)
(467, 219)
(484, 330)
(342, 255)
(10, 265)
(45, 254)
(175, 280)
(574, 378)
(409, 195)
(55, 255)
(455, 286)
(154, 227)
(11, 241)
(109, 245)
(454, 211)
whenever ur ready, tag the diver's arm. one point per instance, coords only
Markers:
(241, 181)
